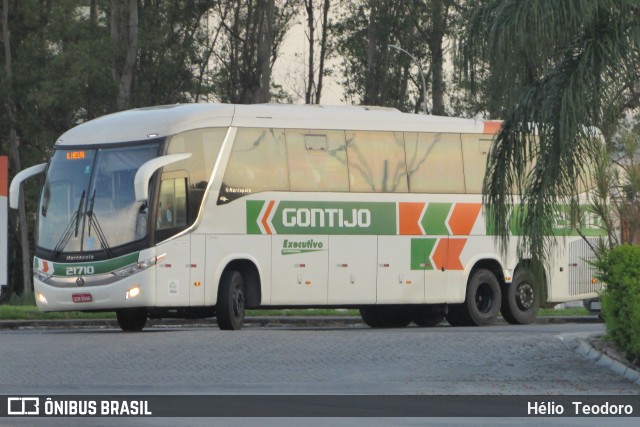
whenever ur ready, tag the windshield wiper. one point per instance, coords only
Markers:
(66, 234)
(93, 220)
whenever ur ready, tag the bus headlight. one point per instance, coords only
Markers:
(139, 266)
(41, 298)
(133, 292)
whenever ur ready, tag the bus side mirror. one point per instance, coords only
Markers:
(141, 180)
(14, 188)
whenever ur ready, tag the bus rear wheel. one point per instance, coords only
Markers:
(521, 301)
(386, 317)
(230, 310)
(482, 303)
(132, 319)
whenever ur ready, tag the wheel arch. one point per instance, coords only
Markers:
(488, 263)
(251, 278)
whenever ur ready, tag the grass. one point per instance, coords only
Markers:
(19, 308)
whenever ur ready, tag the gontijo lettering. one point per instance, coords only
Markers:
(317, 217)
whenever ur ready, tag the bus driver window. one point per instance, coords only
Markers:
(172, 205)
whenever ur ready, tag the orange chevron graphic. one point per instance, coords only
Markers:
(409, 222)
(463, 218)
(265, 224)
(447, 254)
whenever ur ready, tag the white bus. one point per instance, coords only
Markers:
(206, 210)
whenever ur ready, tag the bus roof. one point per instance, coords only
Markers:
(146, 123)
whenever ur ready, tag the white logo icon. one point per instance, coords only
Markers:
(23, 406)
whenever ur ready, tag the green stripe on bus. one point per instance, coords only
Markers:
(96, 267)
(254, 207)
(420, 252)
(335, 218)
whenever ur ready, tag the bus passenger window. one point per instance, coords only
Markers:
(317, 160)
(435, 163)
(377, 162)
(258, 163)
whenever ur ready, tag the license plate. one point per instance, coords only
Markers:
(81, 298)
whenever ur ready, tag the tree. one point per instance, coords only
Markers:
(14, 155)
(124, 34)
(569, 67)
(375, 74)
(313, 90)
(250, 42)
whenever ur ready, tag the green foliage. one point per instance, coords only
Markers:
(374, 73)
(570, 67)
(620, 270)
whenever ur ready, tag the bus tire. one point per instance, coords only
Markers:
(230, 309)
(369, 317)
(482, 303)
(132, 319)
(457, 315)
(521, 299)
(386, 317)
(426, 317)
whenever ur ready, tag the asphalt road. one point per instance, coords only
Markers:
(501, 360)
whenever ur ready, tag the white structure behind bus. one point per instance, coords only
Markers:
(4, 238)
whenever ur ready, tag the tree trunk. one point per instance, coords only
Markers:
(14, 155)
(124, 34)
(265, 44)
(311, 37)
(437, 57)
(370, 97)
(323, 48)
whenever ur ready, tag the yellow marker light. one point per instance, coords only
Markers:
(197, 284)
(507, 278)
(594, 280)
(133, 292)
(42, 299)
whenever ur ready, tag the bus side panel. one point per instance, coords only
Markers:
(398, 283)
(225, 248)
(352, 269)
(444, 279)
(197, 282)
(300, 269)
(174, 273)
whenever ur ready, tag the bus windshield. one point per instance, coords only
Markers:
(88, 202)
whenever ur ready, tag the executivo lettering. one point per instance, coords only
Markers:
(317, 217)
(290, 247)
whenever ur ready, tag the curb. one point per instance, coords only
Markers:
(255, 321)
(580, 344)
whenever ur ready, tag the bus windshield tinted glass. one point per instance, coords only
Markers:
(88, 202)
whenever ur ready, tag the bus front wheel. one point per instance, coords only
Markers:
(132, 319)
(521, 301)
(230, 309)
